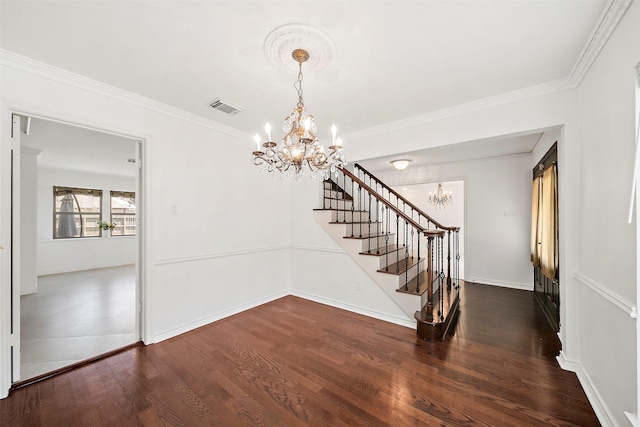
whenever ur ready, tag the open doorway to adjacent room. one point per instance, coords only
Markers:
(79, 244)
(451, 213)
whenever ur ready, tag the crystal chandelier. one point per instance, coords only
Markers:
(300, 151)
(440, 198)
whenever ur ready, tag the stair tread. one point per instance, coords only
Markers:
(355, 222)
(401, 266)
(345, 197)
(420, 280)
(368, 236)
(338, 210)
(383, 250)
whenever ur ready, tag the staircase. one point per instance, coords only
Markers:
(399, 246)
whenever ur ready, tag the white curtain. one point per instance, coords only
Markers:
(66, 218)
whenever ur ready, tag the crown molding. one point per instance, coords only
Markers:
(530, 92)
(607, 23)
(41, 69)
(609, 20)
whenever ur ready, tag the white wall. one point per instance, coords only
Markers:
(226, 248)
(28, 214)
(319, 268)
(65, 255)
(451, 215)
(198, 270)
(607, 257)
(498, 215)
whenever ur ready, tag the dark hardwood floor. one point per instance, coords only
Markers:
(294, 362)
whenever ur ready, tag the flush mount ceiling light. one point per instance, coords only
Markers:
(300, 151)
(400, 164)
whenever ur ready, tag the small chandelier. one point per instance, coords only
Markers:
(300, 151)
(440, 198)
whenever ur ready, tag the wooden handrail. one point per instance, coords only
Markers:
(370, 190)
(411, 205)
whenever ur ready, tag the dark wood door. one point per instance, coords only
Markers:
(547, 293)
(547, 290)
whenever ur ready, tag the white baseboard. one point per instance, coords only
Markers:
(402, 321)
(633, 419)
(511, 285)
(215, 317)
(597, 403)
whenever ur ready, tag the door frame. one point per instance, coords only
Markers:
(9, 254)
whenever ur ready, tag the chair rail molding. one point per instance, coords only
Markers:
(611, 296)
(203, 257)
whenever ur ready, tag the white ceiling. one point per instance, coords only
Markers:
(462, 152)
(64, 146)
(392, 59)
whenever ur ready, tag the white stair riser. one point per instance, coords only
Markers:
(348, 216)
(337, 204)
(408, 303)
(363, 228)
(333, 194)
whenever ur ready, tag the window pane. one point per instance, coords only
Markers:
(76, 212)
(123, 213)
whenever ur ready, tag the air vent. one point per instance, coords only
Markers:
(224, 106)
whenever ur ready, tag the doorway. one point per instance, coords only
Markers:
(79, 279)
(452, 214)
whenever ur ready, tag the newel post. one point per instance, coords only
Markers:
(430, 235)
(449, 259)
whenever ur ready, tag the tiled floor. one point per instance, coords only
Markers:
(75, 316)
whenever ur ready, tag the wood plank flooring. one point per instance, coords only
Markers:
(293, 362)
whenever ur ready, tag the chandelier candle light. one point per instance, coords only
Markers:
(300, 151)
(440, 198)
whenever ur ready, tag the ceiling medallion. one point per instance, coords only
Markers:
(285, 39)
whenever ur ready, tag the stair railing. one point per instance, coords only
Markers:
(376, 219)
(453, 233)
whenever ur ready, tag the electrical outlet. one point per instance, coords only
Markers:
(174, 209)
(358, 286)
